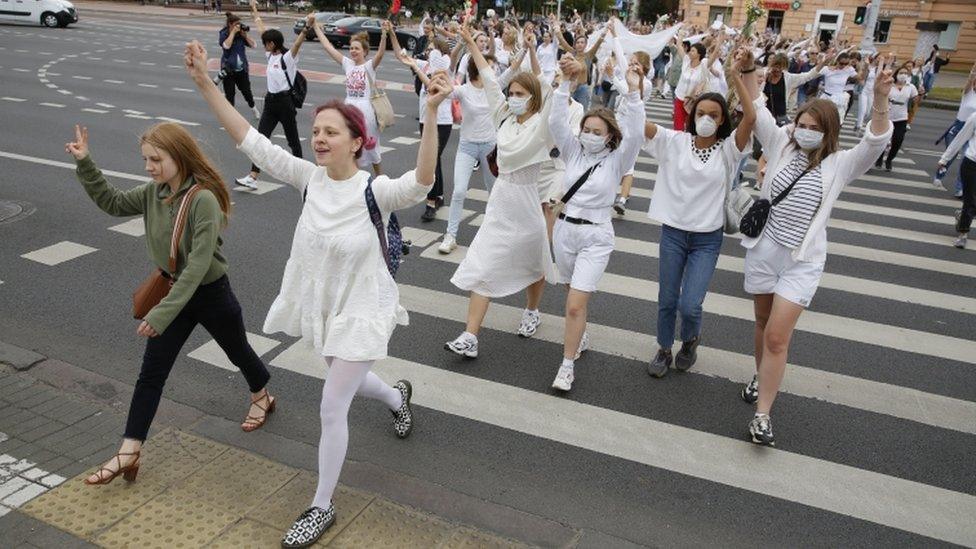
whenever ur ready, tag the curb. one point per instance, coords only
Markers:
(940, 104)
(20, 359)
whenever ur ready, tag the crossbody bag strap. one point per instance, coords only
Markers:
(376, 216)
(779, 198)
(179, 225)
(285, 69)
(373, 90)
(579, 183)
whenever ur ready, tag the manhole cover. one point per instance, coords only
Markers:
(14, 210)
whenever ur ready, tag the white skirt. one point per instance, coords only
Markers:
(369, 157)
(511, 249)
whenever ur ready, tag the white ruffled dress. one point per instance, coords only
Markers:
(336, 292)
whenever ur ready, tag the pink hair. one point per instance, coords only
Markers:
(355, 121)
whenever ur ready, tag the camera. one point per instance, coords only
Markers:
(244, 28)
(221, 74)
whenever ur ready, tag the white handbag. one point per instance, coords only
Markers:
(381, 105)
(737, 203)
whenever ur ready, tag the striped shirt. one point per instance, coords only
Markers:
(789, 220)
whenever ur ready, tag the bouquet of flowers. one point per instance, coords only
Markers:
(754, 12)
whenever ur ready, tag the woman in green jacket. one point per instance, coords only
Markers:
(200, 293)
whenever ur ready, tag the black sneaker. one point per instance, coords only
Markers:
(750, 393)
(887, 166)
(438, 202)
(403, 416)
(761, 430)
(430, 213)
(659, 366)
(688, 354)
(309, 527)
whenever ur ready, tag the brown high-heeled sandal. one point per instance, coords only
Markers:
(128, 472)
(253, 423)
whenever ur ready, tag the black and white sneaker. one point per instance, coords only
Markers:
(750, 393)
(659, 366)
(403, 416)
(529, 324)
(687, 355)
(620, 205)
(761, 430)
(309, 527)
(465, 345)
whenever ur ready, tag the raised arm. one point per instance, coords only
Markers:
(958, 142)
(415, 67)
(335, 54)
(300, 39)
(387, 30)
(596, 46)
(438, 90)
(269, 157)
(562, 134)
(257, 18)
(558, 30)
(632, 122)
(109, 199)
(744, 63)
(533, 56)
(882, 87)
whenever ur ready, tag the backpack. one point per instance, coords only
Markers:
(391, 239)
(297, 89)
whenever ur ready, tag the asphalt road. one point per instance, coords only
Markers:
(875, 426)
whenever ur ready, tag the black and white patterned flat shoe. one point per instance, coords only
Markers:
(403, 417)
(309, 527)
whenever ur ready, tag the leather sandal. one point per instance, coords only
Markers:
(253, 423)
(128, 472)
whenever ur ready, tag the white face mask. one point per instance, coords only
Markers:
(593, 143)
(808, 139)
(902, 78)
(705, 126)
(518, 105)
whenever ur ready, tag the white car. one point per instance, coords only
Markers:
(50, 13)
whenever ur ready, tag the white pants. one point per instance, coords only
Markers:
(582, 253)
(841, 100)
(864, 103)
(771, 269)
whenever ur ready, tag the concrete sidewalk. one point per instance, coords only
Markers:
(203, 482)
(135, 8)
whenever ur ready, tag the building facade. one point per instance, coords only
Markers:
(907, 28)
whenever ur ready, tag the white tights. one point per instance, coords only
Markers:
(345, 380)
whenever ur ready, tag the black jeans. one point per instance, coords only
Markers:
(443, 136)
(241, 81)
(278, 107)
(897, 138)
(215, 306)
(968, 174)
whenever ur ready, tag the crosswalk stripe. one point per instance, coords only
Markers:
(851, 329)
(871, 496)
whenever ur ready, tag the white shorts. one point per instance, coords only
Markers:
(770, 269)
(582, 253)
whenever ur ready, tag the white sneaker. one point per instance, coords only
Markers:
(257, 112)
(465, 345)
(937, 183)
(248, 181)
(960, 242)
(529, 324)
(583, 346)
(620, 205)
(448, 244)
(564, 379)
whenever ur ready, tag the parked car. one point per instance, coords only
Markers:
(50, 13)
(340, 31)
(324, 17)
(301, 5)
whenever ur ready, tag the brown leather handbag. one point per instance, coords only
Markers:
(157, 285)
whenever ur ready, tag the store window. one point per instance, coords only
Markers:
(949, 37)
(774, 22)
(881, 31)
(719, 12)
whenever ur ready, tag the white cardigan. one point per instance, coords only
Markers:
(837, 170)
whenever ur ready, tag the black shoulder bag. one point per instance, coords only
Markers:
(296, 89)
(754, 220)
(557, 207)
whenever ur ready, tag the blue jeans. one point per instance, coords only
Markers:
(687, 263)
(582, 96)
(468, 154)
(948, 136)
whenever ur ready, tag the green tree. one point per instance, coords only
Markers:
(649, 10)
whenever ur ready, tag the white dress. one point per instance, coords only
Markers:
(336, 292)
(511, 249)
(358, 92)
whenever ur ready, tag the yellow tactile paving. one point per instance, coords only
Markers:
(193, 492)
(168, 522)
(283, 507)
(386, 524)
(235, 481)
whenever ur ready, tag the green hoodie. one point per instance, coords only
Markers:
(199, 259)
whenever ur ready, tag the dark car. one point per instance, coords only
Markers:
(323, 17)
(342, 30)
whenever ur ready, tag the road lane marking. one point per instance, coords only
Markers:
(106, 105)
(14, 99)
(96, 111)
(108, 81)
(55, 105)
(142, 85)
(132, 227)
(211, 353)
(59, 253)
(81, 77)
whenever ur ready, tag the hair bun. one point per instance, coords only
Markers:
(369, 143)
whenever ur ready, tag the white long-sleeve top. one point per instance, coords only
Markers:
(966, 137)
(520, 144)
(837, 171)
(620, 73)
(593, 199)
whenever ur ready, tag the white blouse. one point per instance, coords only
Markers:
(520, 144)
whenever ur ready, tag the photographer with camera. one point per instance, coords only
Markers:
(233, 40)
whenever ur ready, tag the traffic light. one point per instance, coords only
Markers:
(860, 15)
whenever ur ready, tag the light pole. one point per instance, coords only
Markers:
(870, 21)
(728, 12)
